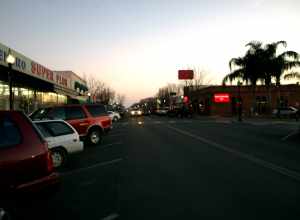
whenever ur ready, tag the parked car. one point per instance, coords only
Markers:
(25, 161)
(91, 121)
(62, 140)
(286, 112)
(114, 116)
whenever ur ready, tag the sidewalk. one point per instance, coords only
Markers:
(256, 120)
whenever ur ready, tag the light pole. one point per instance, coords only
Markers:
(89, 100)
(10, 60)
(239, 102)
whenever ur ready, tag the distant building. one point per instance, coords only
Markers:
(35, 86)
(224, 100)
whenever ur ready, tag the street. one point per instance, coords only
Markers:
(168, 168)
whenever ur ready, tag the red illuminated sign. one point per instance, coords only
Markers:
(221, 98)
(185, 74)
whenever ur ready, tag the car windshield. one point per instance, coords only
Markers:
(40, 114)
(151, 109)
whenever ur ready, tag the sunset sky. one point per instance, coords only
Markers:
(137, 46)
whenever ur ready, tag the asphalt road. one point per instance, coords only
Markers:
(162, 168)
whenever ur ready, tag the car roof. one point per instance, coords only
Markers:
(44, 121)
(74, 105)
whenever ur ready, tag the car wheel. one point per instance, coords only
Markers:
(58, 157)
(94, 137)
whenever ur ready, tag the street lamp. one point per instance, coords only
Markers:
(10, 60)
(89, 95)
(240, 111)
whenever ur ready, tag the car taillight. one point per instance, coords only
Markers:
(49, 160)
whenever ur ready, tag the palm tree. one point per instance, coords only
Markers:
(277, 65)
(292, 75)
(249, 67)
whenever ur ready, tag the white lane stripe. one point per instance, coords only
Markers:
(290, 135)
(111, 217)
(284, 171)
(91, 167)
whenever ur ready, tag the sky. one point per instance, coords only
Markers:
(137, 46)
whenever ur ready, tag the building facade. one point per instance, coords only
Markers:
(224, 100)
(34, 85)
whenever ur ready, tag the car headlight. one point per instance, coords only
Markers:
(139, 112)
(132, 112)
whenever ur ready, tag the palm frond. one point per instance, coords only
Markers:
(254, 44)
(282, 42)
(237, 74)
(292, 75)
(271, 49)
(291, 64)
(290, 54)
(236, 62)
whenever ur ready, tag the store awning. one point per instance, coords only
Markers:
(64, 91)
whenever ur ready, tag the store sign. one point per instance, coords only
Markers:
(221, 98)
(20, 64)
(28, 66)
(185, 74)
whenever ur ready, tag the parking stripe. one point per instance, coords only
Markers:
(91, 167)
(111, 217)
(282, 170)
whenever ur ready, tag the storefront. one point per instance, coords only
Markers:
(225, 100)
(77, 84)
(34, 85)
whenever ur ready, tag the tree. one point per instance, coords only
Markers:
(165, 91)
(201, 78)
(100, 92)
(120, 99)
(277, 65)
(292, 75)
(247, 68)
(261, 63)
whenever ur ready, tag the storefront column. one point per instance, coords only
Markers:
(35, 102)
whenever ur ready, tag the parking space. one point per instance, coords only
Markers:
(90, 183)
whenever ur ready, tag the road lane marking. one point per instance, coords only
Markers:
(282, 170)
(91, 167)
(290, 135)
(111, 217)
